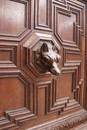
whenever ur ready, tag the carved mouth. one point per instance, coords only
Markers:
(55, 70)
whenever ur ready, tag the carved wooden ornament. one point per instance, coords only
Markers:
(49, 58)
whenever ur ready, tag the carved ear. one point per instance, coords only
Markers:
(44, 48)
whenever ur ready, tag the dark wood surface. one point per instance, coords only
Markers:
(32, 97)
(85, 98)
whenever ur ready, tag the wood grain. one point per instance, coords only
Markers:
(30, 96)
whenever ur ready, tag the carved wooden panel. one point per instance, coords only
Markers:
(10, 93)
(15, 19)
(8, 23)
(43, 11)
(85, 98)
(7, 56)
(39, 38)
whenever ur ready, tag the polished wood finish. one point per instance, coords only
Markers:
(31, 97)
(85, 97)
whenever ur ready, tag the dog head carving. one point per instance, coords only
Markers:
(49, 58)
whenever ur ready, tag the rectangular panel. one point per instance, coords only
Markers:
(73, 56)
(41, 101)
(43, 14)
(8, 56)
(5, 55)
(42, 11)
(65, 26)
(64, 86)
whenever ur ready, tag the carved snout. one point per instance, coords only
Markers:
(54, 69)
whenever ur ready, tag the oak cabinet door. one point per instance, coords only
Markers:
(42, 64)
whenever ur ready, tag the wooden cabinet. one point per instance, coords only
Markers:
(42, 64)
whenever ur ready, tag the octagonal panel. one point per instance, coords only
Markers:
(15, 95)
(31, 48)
(14, 22)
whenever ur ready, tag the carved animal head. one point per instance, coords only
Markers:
(49, 57)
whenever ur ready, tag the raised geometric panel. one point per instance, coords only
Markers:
(50, 101)
(16, 104)
(71, 63)
(43, 11)
(11, 96)
(32, 45)
(73, 56)
(15, 19)
(68, 26)
(63, 87)
(5, 54)
(45, 88)
(65, 26)
(41, 101)
(12, 19)
(8, 56)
